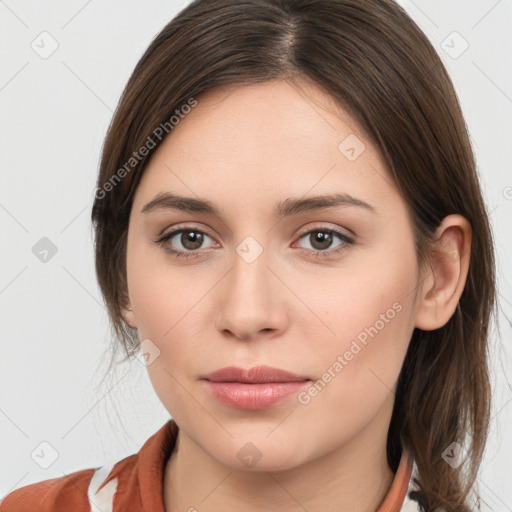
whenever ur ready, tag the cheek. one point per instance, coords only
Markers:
(371, 315)
(163, 301)
(167, 306)
(167, 310)
(162, 295)
(357, 369)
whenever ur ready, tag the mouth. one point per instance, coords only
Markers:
(254, 388)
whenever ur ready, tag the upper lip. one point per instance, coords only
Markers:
(255, 375)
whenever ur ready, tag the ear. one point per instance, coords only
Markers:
(128, 315)
(442, 284)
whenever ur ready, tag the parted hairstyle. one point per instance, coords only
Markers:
(372, 59)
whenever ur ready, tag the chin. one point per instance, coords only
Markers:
(256, 453)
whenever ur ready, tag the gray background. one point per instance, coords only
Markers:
(54, 112)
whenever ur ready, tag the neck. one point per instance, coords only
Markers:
(351, 477)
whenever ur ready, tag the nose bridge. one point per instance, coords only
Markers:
(251, 300)
(250, 280)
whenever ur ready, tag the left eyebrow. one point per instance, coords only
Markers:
(294, 206)
(288, 207)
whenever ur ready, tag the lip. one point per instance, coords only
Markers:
(255, 375)
(254, 388)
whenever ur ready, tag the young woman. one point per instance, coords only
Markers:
(289, 226)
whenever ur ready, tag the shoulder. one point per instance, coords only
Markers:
(414, 501)
(96, 488)
(405, 494)
(66, 492)
(75, 492)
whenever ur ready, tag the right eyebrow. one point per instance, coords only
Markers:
(169, 201)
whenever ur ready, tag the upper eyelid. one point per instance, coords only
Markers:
(324, 227)
(176, 230)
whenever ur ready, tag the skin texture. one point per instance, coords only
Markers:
(245, 149)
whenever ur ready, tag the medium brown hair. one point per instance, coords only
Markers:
(375, 62)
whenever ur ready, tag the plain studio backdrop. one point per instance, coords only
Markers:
(63, 68)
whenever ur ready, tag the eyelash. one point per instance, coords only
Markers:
(193, 254)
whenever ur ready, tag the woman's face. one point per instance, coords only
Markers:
(262, 278)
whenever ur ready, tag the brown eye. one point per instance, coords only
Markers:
(191, 240)
(323, 241)
(184, 242)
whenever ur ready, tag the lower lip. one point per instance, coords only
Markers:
(253, 396)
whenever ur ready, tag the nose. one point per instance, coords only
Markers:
(252, 300)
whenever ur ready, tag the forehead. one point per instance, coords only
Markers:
(270, 138)
(278, 114)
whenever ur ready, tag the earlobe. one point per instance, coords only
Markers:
(443, 283)
(128, 315)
